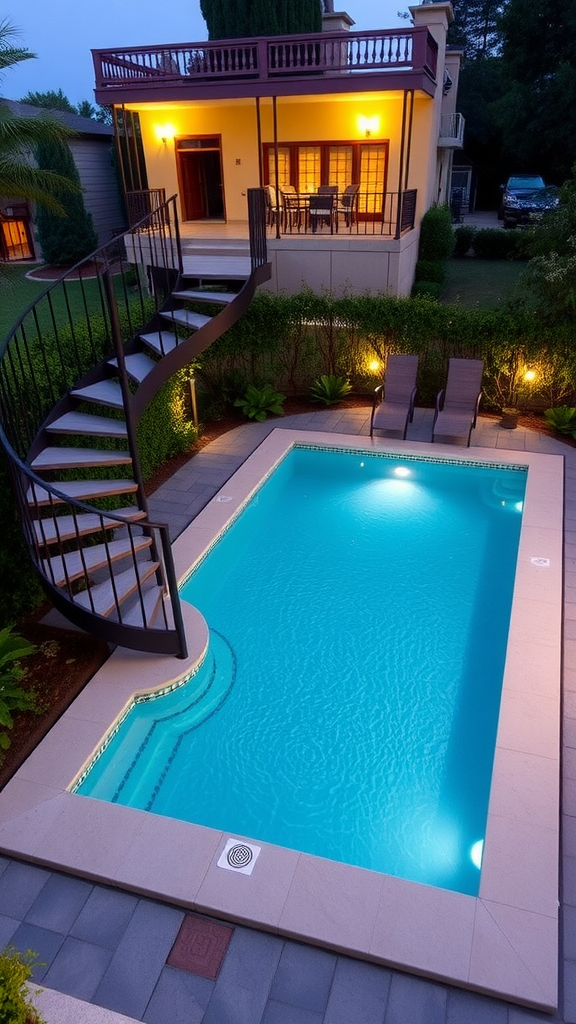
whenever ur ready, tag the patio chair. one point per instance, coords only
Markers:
(273, 210)
(347, 204)
(457, 404)
(321, 209)
(393, 403)
(293, 206)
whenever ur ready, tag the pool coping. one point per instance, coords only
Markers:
(505, 942)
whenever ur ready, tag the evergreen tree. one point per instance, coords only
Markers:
(245, 18)
(64, 240)
(49, 101)
(475, 28)
(538, 111)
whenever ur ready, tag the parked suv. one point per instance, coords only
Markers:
(525, 199)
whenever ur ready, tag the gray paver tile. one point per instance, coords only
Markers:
(41, 941)
(304, 977)
(359, 993)
(77, 968)
(139, 959)
(470, 1008)
(20, 884)
(104, 917)
(58, 904)
(569, 881)
(8, 926)
(569, 932)
(244, 981)
(4, 862)
(414, 1001)
(279, 1013)
(179, 998)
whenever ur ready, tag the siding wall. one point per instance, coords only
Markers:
(93, 158)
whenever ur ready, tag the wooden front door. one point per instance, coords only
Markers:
(200, 174)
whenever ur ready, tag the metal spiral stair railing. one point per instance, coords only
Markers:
(76, 373)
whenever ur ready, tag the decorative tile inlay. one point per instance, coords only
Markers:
(200, 947)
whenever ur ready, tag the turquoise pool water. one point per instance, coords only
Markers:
(359, 610)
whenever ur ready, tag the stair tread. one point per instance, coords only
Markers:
(161, 341)
(222, 268)
(186, 317)
(87, 423)
(138, 365)
(80, 490)
(102, 597)
(152, 599)
(104, 392)
(198, 295)
(62, 528)
(73, 458)
(60, 568)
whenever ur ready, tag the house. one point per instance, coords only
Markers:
(369, 115)
(92, 150)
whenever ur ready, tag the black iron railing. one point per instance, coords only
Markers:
(365, 213)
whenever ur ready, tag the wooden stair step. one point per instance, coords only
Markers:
(61, 528)
(138, 366)
(198, 295)
(73, 458)
(152, 600)
(104, 392)
(80, 490)
(102, 597)
(62, 568)
(86, 423)
(187, 318)
(161, 341)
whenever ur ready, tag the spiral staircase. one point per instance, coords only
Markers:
(76, 373)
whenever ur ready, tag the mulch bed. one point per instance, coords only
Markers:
(65, 660)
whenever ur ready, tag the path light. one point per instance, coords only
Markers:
(375, 366)
(530, 376)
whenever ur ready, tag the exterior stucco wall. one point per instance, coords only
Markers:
(364, 265)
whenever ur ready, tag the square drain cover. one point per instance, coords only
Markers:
(200, 947)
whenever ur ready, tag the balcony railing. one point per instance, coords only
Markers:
(371, 213)
(451, 131)
(268, 58)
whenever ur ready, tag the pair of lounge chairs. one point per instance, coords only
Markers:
(456, 405)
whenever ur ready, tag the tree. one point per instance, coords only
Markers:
(245, 18)
(475, 28)
(19, 135)
(538, 111)
(50, 101)
(64, 240)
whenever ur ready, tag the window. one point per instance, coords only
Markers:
(307, 166)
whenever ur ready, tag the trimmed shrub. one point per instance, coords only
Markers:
(496, 244)
(436, 234)
(431, 270)
(430, 289)
(463, 240)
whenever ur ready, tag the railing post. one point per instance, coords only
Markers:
(126, 393)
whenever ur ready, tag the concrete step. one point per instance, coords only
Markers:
(85, 423)
(73, 458)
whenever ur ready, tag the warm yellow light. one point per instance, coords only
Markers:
(164, 132)
(368, 125)
(530, 375)
(375, 366)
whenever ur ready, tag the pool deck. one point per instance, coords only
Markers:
(266, 978)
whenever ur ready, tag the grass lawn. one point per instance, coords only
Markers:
(486, 283)
(17, 292)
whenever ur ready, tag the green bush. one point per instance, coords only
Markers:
(257, 403)
(12, 695)
(166, 428)
(431, 270)
(463, 239)
(496, 244)
(15, 970)
(330, 389)
(430, 289)
(436, 234)
(561, 419)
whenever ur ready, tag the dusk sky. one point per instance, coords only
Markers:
(63, 32)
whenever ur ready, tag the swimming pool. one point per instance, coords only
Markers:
(504, 941)
(359, 610)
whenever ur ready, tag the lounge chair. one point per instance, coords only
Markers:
(457, 404)
(393, 404)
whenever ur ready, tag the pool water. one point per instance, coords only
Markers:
(348, 706)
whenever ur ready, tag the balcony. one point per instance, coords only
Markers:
(451, 131)
(287, 65)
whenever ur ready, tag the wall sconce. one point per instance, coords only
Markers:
(368, 126)
(164, 133)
